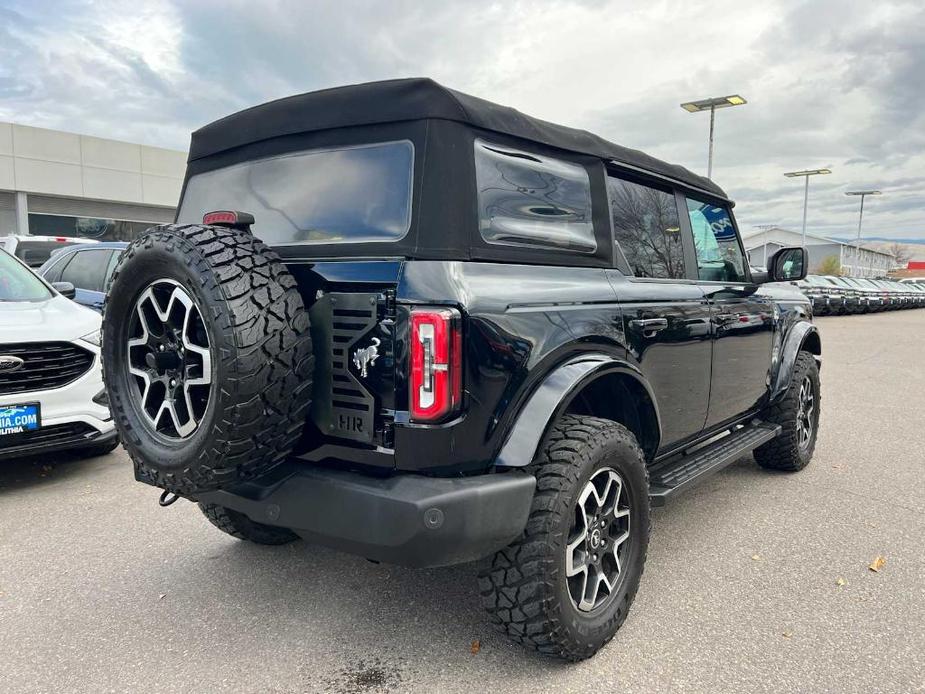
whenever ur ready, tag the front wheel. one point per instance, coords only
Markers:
(798, 414)
(565, 587)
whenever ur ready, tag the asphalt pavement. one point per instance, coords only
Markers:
(755, 581)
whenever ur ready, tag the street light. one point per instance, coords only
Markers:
(806, 174)
(857, 245)
(711, 105)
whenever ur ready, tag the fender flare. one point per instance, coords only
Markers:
(792, 346)
(553, 396)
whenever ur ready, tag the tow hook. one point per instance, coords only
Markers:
(167, 498)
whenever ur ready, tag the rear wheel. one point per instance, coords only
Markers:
(207, 357)
(798, 414)
(565, 587)
(240, 526)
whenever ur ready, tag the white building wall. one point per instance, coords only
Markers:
(38, 161)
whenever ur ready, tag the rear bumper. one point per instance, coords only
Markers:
(406, 519)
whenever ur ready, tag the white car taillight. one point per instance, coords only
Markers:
(436, 364)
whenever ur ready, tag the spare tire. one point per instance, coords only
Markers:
(207, 357)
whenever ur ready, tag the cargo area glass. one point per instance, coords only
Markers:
(346, 195)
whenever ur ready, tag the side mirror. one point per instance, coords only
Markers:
(65, 289)
(787, 265)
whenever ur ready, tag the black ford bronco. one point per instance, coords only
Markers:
(426, 329)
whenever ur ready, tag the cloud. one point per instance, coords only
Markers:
(829, 82)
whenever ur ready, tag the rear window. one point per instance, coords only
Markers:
(530, 200)
(346, 195)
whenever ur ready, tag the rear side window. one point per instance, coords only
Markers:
(719, 256)
(347, 195)
(646, 226)
(530, 200)
(87, 270)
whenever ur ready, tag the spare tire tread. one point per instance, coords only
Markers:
(262, 343)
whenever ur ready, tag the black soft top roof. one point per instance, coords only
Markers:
(393, 101)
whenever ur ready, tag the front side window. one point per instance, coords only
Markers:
(17, 283)
(534, 201)
(646, 226)
(719, 255)
(87, 270)
(346, 195)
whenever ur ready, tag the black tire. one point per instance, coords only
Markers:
(524, 586)
(100, 448)
(786, 452)
(240, 526)
(261, 357)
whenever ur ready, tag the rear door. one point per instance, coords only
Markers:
(666, 315)
(744, 318)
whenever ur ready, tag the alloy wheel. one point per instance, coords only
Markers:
(806, 408)
(169, 359)
(598, 540)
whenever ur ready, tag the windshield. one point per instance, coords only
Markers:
(347, 195)
(17, 283)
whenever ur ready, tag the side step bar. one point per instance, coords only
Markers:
(668, 478)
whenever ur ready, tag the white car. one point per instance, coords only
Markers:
(35, 250)
(51, 385)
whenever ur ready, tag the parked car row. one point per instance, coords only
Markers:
(842, 295)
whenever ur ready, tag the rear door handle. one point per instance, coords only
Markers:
(649, 326)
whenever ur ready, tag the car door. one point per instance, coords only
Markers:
(87, 272)
(666, 315)
(744, 317)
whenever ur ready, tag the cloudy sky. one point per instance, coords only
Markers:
(830, 83)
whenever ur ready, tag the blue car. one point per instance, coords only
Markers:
(88, 267)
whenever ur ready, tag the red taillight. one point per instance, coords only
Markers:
(436, 363)
(228, 218)
(223, 217)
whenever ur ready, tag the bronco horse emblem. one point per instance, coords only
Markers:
(366, 357)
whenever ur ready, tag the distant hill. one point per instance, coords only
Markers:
(889, 240)
(885, 239)
(915, 248)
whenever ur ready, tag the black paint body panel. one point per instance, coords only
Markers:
(718, 359)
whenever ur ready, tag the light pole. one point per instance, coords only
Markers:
(711, 105)
(857, 245)
(806, 174)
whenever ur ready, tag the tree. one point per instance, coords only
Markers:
(900, 252)
(830, 266)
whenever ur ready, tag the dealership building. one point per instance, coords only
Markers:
(854, 261)
(62, 184)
